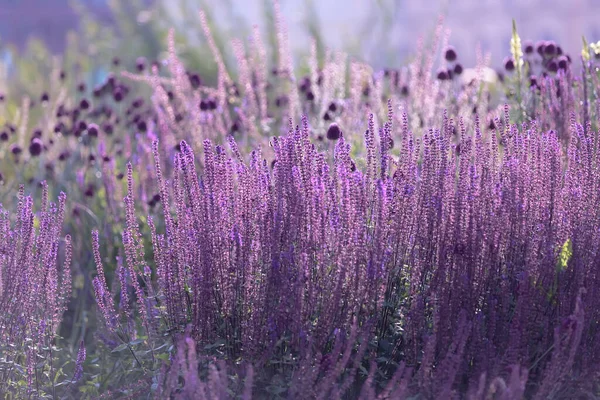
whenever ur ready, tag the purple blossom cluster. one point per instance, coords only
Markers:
(35, 288)
(412, 236)
(458, 259)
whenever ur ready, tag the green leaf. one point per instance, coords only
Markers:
(120, 347)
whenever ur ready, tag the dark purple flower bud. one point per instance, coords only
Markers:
(92, 158)
(442, 74)
(64, 155)
(326, 116)
(559, 51)
(170, 95)
(59, 127)
(540, 47)
(528, 47)
(120, 176)
(491, 125)
(235, 126)
(98, 91)
(140, 64)
(141, 126)
(4, 136)
(36, 147)
(310, 96)
(552, 66)
(334, 132)
(82, 126)
(89, 191)
(15, 149)
(177, 147)
(203, 105)
(404, 89)
(137, 103)
(332, 107)
(36, 134)
(44, 97)
(178, 118)
(118, 95)
(111, 81)
(320, 138)
(533, 81)
(450, 54)
(84, 104)
(563, 62)
(92, 130)
(550, 48)
(509, 64)
(212, 105)
(458, 69)
(107, 128)
(81, 87)
(195, 81)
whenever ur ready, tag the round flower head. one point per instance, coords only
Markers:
(563, 62)
(203, 105)
(450, 54)
(332, 107)
(15, 149)
(552, 66)
(528, 47)
(107, 128)
(84, 104)
(118, 95)
(550, 48)
(334, 132)
(326, 116)
(540, 47)
(92, 130)
(44, 97)
(36, 147)
(195, 81)
(533, 81)
(4, 136)
(141, 126)
(458, 69)
(442, 74)
(509, 64)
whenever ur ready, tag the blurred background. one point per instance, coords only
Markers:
(381, 32)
